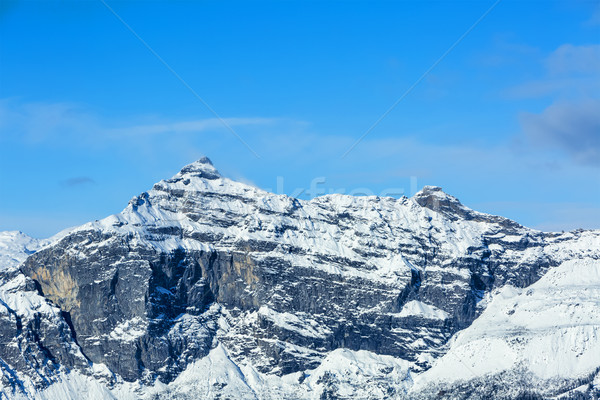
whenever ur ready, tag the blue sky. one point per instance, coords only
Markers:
(508, 121)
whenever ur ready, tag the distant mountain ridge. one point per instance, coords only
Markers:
(15, 247)
(208, 287)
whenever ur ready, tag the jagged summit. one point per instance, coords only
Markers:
(201, 179)
(204, 160)
(202, 168)
(434, 198)
(431, 189)
(434, 192)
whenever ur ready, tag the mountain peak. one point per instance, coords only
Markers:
(431, 189)
(431, 193)
(434, 198)
(202, 168)
(204, 160)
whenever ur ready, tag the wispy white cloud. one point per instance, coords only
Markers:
(505, 51)
(594, 19)
(569, 59)
(570, 71)
(572, 127)
(191, 126)
(557, 86)
(36, 122)
(570, 78)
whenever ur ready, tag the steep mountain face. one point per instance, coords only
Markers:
(205, 285)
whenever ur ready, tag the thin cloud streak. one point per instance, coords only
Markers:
(78, 181)
(190, 126)
(569, 59)
(39, 122)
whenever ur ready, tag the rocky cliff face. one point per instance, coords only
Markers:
(201, 264)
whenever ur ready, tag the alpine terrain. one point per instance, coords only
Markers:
(206, 288)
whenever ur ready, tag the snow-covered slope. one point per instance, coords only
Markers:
(208, 287)
(543, 338)
(15, 247)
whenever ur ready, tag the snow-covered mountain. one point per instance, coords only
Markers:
(15, 247)
(208, 288)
